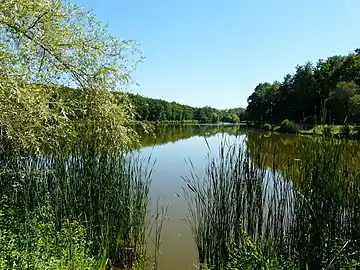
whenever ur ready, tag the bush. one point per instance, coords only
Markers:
(37, 244)
(288, 126)
(267, 127)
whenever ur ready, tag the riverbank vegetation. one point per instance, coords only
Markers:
(73, 210)
(72, 194)
(329, 88)
(257, 209)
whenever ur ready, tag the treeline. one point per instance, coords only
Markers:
(327, 92)
(149, 109)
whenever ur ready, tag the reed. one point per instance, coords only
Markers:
(107, 193)
(300, 213)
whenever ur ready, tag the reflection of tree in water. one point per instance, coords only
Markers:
(171, 133)
(314, 165)
(280, 149)
(325, 178)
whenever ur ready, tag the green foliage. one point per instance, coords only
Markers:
(46, 46)
(260, 102)
(249, 255)
(355, 106)
(41, 119)
(54, 41)
(235, 118)
(339, 100)
(215, 118)
(63, 135)
(331, 84)
(289, 126)
(149, 109)
(267, 127)
(33, 242)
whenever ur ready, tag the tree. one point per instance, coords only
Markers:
(339, 100)
(51, 43)
(262, 101)
(355, 107)
(303, 96)
(201, 116)
(235, 118)
(158, 110)
(215, 118)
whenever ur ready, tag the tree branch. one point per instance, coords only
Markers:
(18, 30)
(41, 61)
(36, 21)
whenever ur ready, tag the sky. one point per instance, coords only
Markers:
(214, 53)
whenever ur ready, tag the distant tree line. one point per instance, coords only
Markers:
(328, 91)
(149, 109)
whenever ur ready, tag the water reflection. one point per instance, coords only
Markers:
(285, 148)
(163, 134)
(172, 145)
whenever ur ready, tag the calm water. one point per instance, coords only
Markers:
(171, 147)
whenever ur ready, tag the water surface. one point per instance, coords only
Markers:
(172, 147)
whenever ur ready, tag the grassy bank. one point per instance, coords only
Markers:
(336, 131)
(301, 213)
(350, 131)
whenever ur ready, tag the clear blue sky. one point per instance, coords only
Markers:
(207, 52)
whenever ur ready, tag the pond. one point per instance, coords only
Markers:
(172, 147)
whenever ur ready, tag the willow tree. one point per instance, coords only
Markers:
(58, 66)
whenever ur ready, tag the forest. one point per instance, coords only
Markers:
(326, 92)
(149, 109)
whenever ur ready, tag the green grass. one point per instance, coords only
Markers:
(301, 212)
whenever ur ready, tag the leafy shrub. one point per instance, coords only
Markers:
(267, 127)
(288, 126)
(37, 244)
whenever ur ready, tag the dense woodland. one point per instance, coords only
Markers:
(149, 109)
(327, 91)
